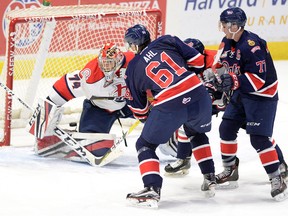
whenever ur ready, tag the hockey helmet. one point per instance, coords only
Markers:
(196, 44)
(110, 60)
(233, 15)
(137, 38)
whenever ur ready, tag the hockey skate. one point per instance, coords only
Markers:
(228, 178)
(279, 190)
(178, 168)
(148, 197)
(284, 171)
(208, 186)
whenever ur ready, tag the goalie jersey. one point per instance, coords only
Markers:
(90, 81)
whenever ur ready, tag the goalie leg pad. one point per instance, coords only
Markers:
(170, 148)
(51, 146)
(44, 119)
(100, 145)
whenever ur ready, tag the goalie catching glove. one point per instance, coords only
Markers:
(229, 81)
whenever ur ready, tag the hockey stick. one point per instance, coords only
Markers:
(132, 128)
(112, 153)
(106, 98)
(216, 60)
(56, 148)
(64, 136)
(122, 131)
(59, 149)
(214, 70)
(117, 99)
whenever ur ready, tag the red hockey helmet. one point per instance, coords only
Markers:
(110, 60)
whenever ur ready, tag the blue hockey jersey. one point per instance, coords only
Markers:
(250, 59)
(164, 68)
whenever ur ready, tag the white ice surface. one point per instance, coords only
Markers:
(35, 186)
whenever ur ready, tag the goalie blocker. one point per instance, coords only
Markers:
(42, 125)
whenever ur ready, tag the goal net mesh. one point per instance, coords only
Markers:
(45, 43)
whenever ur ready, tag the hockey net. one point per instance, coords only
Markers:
(45, 43)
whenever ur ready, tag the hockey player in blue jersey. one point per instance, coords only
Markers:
(180, 98)
(179, 147)
(253, 78)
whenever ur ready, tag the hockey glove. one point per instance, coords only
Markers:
(229, 81)
(210, 89)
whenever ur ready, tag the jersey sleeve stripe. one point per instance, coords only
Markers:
(255, 80)
(269, 91)
(197, 61)
(140, 111)
(62, 89)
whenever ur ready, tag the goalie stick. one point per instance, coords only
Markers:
(106, 98)
(135, 124)
(107, 159)
(85, 154)
(64, 136)
(53, 147)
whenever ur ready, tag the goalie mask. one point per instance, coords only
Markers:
(110, 60)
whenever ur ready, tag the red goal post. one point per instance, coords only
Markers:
(45, 43)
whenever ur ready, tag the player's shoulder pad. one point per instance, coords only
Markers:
(92, 71)
(128, 57)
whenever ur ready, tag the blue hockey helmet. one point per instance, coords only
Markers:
(196, 44)
(137, 38)
(234, 15)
